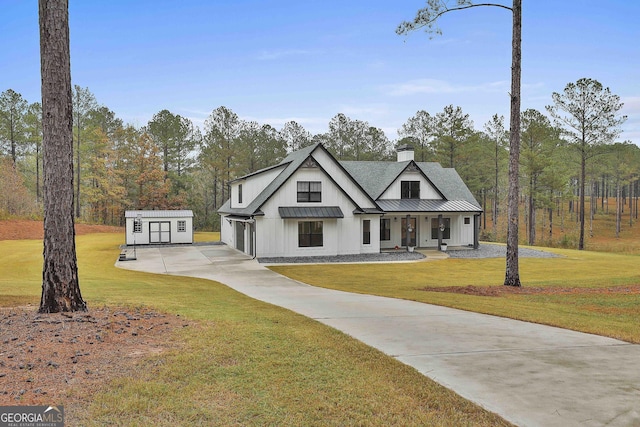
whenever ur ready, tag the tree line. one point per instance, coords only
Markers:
(568, 155)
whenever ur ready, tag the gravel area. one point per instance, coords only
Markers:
(485, 251)
(380, 257)
(488, 250)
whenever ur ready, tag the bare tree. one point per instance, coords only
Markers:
(426, 18)
(60, 286)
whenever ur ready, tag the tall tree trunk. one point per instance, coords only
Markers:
(583, 177)
(77, 166)
(532, 213)
(60, 286)
(512, 273)
(618, 214)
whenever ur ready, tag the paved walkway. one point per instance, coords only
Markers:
(532, 375)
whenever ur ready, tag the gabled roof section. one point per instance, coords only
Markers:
(292, 162)
(376, 177)
(448, 182)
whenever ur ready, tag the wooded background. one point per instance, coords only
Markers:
(170, 163)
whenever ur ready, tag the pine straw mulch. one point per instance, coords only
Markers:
(497, 291)
(64, 358)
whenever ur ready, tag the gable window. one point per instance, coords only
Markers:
(309, 234)
(446, 234)
(385, 229)
(410, 190)
(309, 191)
(182, 226)
(240, 193)
(366, 232)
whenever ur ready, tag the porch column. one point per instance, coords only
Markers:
(476, 231)
(440, 230)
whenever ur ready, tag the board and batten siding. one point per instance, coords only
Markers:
(341, 236)
(170, 218)
(252, 187)
(426, 190)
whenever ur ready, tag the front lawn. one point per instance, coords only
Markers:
(245, 363)
(585, 291)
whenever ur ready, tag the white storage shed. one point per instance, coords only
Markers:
(159, 227)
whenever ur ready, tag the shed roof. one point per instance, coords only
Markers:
(159, 214)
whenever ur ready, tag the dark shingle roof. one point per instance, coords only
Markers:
(374, 178)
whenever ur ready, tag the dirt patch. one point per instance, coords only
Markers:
(19, 229)
(496, 291)
(64, 358)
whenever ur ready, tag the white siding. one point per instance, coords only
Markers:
(279, 237)
(252, 187)
(175, 236)
(342, 179)
(426, 190)
(461, 234)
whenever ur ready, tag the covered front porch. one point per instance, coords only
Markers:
(429, 230)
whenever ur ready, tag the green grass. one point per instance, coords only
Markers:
(614, 314)
(244, 363)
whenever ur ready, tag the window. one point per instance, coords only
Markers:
(385, 229)
(410, 190)
(137, 226)
(467, 220)
(366, 232)
(446, 234)
(309, 234)
(182, 226)
(240, 193)
(309, 191)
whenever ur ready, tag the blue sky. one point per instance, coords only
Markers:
(278, 60)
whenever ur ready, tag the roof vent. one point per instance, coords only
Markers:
(405, 153)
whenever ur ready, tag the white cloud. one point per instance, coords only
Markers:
(434, 86)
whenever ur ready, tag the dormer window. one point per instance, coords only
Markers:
(410, 190)
(309, 191)
(240, 193)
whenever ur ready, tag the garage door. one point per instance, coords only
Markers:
(160, 232)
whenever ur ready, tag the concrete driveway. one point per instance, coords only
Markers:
(532, 375)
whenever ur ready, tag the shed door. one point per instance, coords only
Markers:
(160, 232)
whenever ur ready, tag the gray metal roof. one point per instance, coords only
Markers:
(310, 212)
(427, 205)
(159, 214)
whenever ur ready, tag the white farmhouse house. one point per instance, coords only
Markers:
(312, 204)
(147, 227)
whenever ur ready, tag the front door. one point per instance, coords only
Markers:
(410, 231)
(160, 232)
